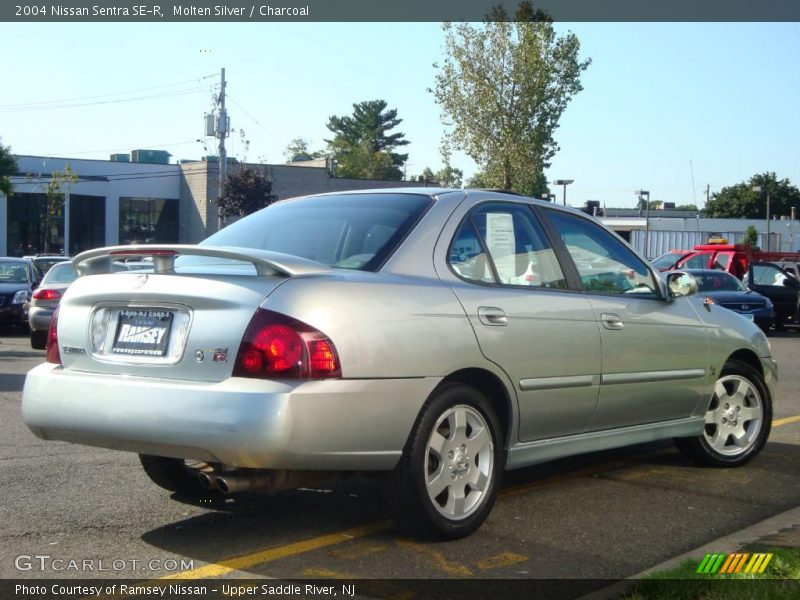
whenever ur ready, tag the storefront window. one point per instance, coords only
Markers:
(28, 233)
(87, 223)
(148, 221)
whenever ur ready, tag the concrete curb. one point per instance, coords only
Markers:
(728, 543)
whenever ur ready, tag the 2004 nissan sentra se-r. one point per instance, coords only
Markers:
(437, 336)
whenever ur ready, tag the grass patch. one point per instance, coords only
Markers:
(780, 581)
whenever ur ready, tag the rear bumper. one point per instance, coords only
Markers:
(329, 424)
(39, 318)
(13, 314)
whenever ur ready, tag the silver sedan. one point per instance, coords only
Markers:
(434, 337)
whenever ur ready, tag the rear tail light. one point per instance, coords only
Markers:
(45, 294)
(275, 346)
(53, 355)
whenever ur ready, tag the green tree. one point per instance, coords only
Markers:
(244, 192)
(298, 150)
(449, 176)
(427, 175)
(8, 167)
(54, 208)
(686, 207)
(741, 202)
(751, 239)
(502, 89)
(363, 146)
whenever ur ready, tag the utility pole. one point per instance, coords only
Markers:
(222, 133)
(708, 193)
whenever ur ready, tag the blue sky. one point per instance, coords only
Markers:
(657, 97)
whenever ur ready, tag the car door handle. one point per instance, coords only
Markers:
(491, 315)
(611, 321)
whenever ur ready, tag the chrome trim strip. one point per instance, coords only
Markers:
(531, 453)
(651, 376)
(552, 383)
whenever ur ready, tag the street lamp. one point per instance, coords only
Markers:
(565, 183)
(758, 189)
(642, 194)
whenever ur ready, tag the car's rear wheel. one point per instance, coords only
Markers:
(450, 471)
(38, 339)
(173, 474)
(737, 422)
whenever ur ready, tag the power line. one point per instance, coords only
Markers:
(183, 92)
(95, 97)
(119, 149)
(242, 108)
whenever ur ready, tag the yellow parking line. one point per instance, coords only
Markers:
(451, 568)
(785, 421)
(506, 559)
(272, 554)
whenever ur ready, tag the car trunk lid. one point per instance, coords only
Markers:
(185, 320)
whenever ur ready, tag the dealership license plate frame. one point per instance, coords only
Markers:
(148, 332)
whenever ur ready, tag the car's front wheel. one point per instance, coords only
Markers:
(737, 422)
(450, 471)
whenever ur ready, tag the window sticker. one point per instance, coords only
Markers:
(502, 244)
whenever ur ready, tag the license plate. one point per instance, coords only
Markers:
(143, 332)
(748, 317)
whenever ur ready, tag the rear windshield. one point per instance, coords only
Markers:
(61, 273)
(348, 231)
(666, 261)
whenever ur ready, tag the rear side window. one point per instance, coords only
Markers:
(722, 261)
(349, 231)
(503, 243)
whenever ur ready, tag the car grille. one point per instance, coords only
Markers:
(743, 306)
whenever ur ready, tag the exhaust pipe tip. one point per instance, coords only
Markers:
(223, 486)
(208, 481)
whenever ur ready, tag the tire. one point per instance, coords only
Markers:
(172, 474)
(38, 339)
(471, 460)
(738, 419)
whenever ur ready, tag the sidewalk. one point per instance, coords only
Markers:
(782, 530)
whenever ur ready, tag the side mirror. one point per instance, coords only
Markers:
(790, 282)
(681, 284)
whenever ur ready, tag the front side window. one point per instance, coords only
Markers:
(503, 243)
(768, 275)
(603, 261)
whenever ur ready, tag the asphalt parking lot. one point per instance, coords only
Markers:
(602, 516)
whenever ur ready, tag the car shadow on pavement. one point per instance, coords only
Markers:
(245, 522)
(11, 382)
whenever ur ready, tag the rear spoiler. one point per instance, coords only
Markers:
(99, 260)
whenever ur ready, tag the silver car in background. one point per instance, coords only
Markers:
(434, 337)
